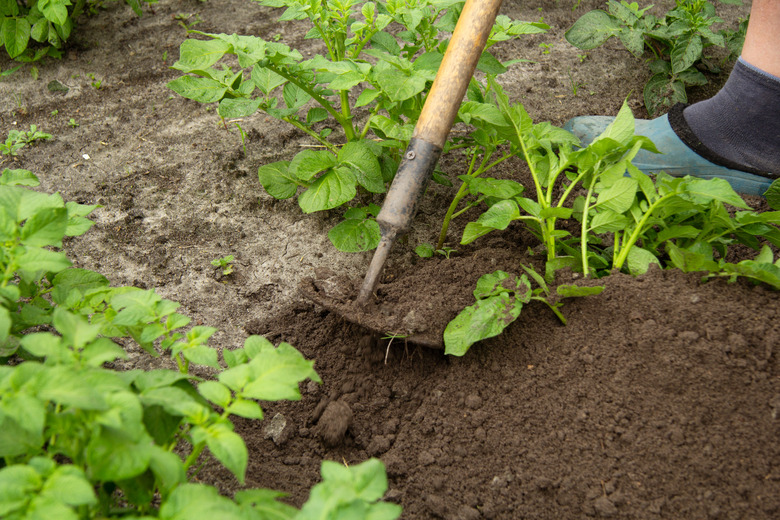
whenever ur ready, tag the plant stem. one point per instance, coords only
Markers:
(316, 97)
(454, 204)
(584, 230)
(628, 244)
(349, 129)
(193, 456)
(315, 135)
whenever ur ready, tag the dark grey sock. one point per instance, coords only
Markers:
(740, 125)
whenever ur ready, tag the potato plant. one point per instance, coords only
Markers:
(33, 29)
(80, 439)
(627, 220)
(676, 42)
(370, 85)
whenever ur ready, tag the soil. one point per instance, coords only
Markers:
(660, 399)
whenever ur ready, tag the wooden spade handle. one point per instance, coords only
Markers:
(456, 70)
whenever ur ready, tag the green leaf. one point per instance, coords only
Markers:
(167, 467)
(175, 401)
(363, 164)
(592, 29)
(15, 35)
(275, 374)
(355, 235)
(294, 96)
(308, 163)
(424, 250)
(622, 128)
(35, 259)
(234, 108)
(687, 49)
(619, 196)
(329, 191)
(135, 307)
(490, 65)
(366, 97)
(18, 483)
(555, 212)
(200, 54)
(702, 191)
(245, 408)
(199, 502)
(112, 456)
(68, 485)
(639, 260)
(103, 350)
(78, 280)
(203, 90)
(608, 221)
(400, 85)
(662, 91)
(18, 178)
(499, 215)
(56, 11)
(266, 80)
(215, 392)
(485, 319)
(227, 446)
(277, 179)
(265, 502)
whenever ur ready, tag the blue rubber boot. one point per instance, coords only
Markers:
(676, 158)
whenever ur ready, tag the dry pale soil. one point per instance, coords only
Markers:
(659, 400)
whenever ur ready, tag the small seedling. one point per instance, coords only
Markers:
(54, 113)
(242, 134)
(72, 123)
(97, 83)
(225, 263)
(426, 250)
(183, 17)
(574, 84)
(582, 57)
(17, 140)
(547, 47)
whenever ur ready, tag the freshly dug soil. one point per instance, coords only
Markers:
(660, 399)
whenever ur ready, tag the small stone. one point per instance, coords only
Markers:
(604, 507)
(425, 458)
(467, 513)
(335, 421)
(378, 445)
(473, 401)
(275, 429)
(689, 336)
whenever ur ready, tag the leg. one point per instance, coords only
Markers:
(736, 134)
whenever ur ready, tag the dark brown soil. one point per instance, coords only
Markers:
(660, 399)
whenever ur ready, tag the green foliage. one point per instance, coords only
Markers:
(677, 42)
(18, 139)
(33, 29)
(500, 297)
(81, 440)
(381, 60)
(627, 220)
(225, 263)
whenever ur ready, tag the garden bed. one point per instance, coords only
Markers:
(660, 399)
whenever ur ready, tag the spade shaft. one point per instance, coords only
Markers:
(430, 133)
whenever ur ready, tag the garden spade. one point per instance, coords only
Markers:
(431, 131)
(430, 134)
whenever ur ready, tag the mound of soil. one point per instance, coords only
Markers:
(660, 399)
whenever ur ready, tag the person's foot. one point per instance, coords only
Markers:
(734, 136)
(676, 158)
